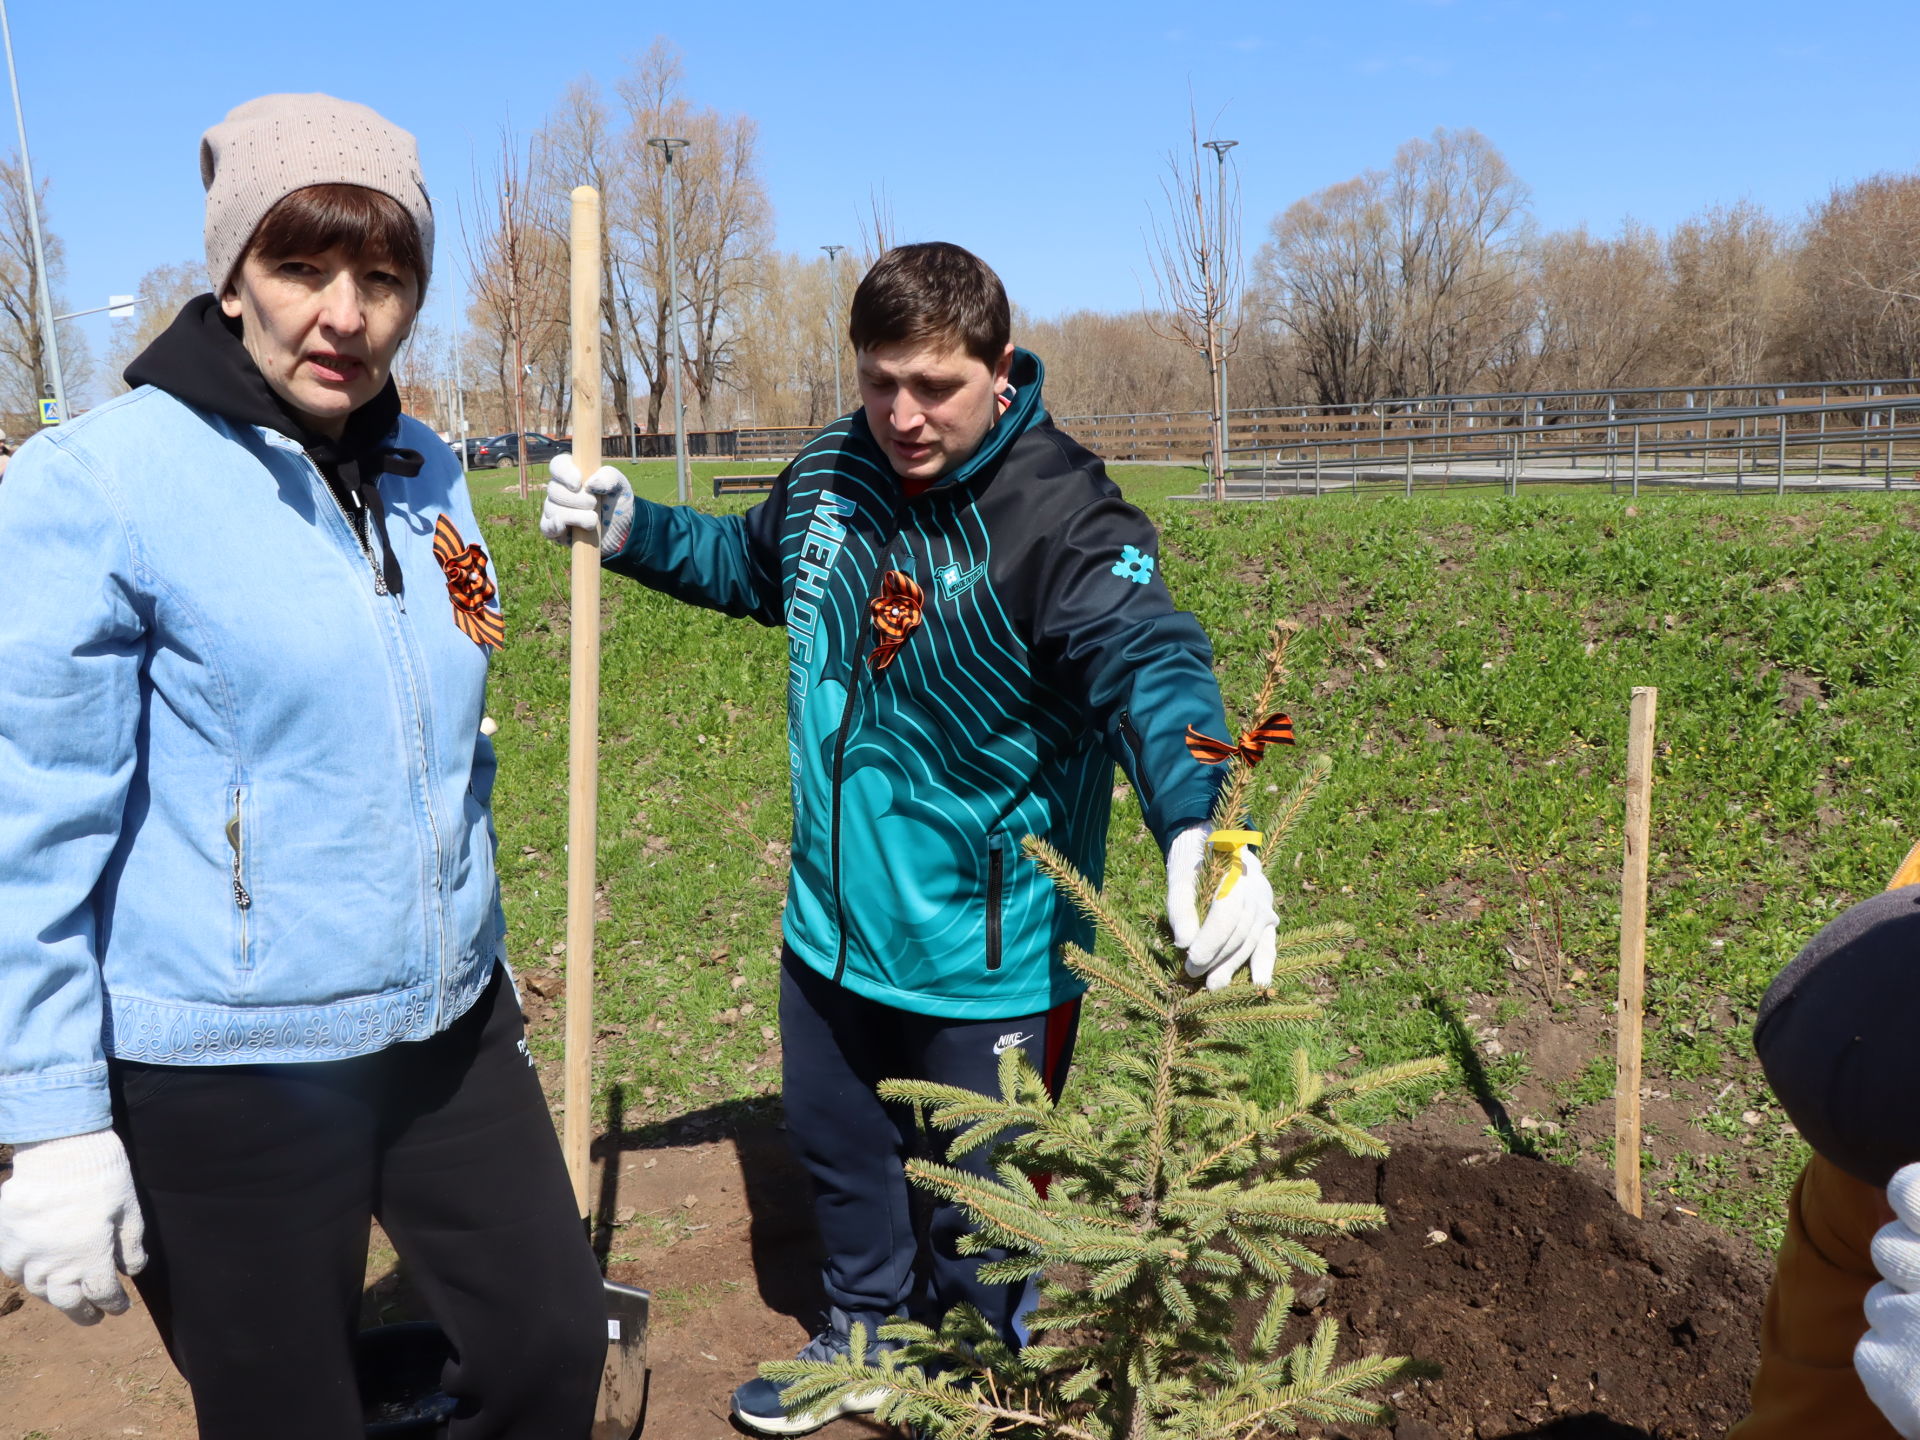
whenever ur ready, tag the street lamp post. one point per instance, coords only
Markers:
(833, 322)
(1220, 148)
(670, 146)
(45, 297)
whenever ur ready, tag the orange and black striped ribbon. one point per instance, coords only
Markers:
(467, 582)
(1276, 729)
(896, 613)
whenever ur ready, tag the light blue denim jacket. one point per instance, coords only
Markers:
(244, 798)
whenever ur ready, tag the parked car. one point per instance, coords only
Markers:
(503, 451)
(477, 453)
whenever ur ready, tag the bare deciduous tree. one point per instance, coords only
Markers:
(722, 220)
(1856, 309)
(1404, 281)
(789, 329)
(25, 374)
(164, 291)
(1323, 276)
(1598, 308)
(1424, 277)
(1730, 275)
(1100, 364)
(1195, 258)
(518, 270)
(579, 146)
(727, 220)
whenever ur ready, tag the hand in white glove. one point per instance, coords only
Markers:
(606, 501)
(1888, 1355)
(1240, 924)
(69, 1220)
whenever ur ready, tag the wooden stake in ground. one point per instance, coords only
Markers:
(1633, 950)
(583, 715)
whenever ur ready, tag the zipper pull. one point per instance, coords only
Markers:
(234, 839)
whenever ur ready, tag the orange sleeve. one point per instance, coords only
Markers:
(1806, 1383)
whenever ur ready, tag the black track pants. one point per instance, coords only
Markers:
(890, 1246)
(257, 1182)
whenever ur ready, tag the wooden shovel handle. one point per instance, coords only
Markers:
(583, 713)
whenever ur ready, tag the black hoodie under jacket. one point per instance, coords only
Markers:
(200, 359)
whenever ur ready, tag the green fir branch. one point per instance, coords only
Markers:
(1175, 1200)
(1087, 899)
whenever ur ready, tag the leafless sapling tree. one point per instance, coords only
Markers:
(1194, 254)
(518, 280)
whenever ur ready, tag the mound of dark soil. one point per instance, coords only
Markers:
(1549, 1311)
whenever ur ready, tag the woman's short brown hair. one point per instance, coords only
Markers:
(352, 217)
(932, 291)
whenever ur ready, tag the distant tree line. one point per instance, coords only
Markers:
(1429, 276)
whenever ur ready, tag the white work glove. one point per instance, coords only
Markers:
(69, 1220)
(606, 501)
(1888, 1355)
(1240, 924)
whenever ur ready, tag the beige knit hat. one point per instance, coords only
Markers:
(268, 148)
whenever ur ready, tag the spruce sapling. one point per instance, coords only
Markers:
(1174, 1204)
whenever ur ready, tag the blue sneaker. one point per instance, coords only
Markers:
(756, 1404)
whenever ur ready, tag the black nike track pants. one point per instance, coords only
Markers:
(890, 1245)
(257, 1182)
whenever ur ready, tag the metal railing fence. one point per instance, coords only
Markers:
(1573, 417)
(1839, 444)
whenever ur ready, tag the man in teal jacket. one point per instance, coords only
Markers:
(977, 629)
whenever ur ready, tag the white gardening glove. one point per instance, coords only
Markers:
(69, 1220)
(606, 501)
(1240, 924)
(1888, 1355)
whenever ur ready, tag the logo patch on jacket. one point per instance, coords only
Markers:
(955, 582)
(1134, 564)
(468, 585)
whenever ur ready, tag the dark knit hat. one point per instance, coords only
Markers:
(1839, 1034)
(270, 147)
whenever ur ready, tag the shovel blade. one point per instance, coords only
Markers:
(623, 1385)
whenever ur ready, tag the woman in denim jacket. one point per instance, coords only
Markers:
(252, 984)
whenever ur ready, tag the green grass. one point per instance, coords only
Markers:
(1467, 664)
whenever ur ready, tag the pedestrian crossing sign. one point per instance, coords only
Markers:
(49, 412)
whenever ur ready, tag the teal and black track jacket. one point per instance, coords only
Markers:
(1048, 649)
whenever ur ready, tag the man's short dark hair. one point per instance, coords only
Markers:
(931, 292)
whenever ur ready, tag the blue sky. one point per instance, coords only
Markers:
(1035, 134)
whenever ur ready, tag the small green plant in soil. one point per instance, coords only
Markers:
(1176, 1205)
